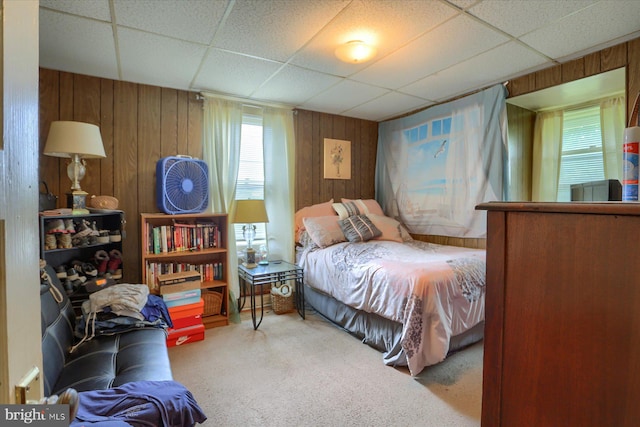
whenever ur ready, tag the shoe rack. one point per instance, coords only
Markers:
(92, 241)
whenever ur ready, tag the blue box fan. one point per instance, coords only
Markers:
(182, 185)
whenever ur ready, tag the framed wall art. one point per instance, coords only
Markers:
(337, 159)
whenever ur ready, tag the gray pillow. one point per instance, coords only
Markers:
(358, 228)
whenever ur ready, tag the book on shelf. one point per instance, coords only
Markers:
(181, 236)
(208, 271)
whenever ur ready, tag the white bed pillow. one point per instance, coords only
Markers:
(357, 207)
(324, 230)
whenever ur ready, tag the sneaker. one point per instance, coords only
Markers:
(56, 226)
(84, 229)
(103, 237)
(50, 242)
(68, 226)
(89, 270)
(101, 260)
(72, 274)
(61, 272)
(115, 259)
(94, 229)
(115, 236)
(80, 241)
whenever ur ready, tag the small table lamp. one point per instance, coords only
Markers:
(250, 212)
(78, 141)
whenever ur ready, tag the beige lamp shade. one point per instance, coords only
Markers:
(250, 212)
(67, 138)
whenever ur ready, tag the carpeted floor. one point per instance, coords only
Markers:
(294, 372)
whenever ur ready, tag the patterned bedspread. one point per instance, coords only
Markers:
(435, 291)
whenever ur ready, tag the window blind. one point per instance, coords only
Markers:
(582, 159)
(250, 184)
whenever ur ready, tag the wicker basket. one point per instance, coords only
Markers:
(281, 304)
(103, 202)
(212, 302)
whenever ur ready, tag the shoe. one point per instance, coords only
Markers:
(84, 229)
(61, 272)
(89, 270)
(101, 261)
(50, 242)
(56, 226)
(115, 236)
(94, 229)
(103, 237)
(68, 226)
(80, 241)
(115, 259)
(68, 287)
(64, 241)
(72, 274)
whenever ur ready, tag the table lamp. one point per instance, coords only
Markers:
(250, 212)
(77, 141)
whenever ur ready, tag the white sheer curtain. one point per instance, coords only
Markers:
(547, 154)
(222, 127)
(279, 155)
(612, 124)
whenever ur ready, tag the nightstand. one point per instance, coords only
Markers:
(276, 272)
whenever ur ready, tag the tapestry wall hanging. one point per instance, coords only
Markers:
(435, 166)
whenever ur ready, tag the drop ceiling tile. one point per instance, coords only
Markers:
(78, 45)
(97, 9)
(453, 42)
(381, 24)
(235, 74)
(275, 29)
(388, 106)
(157, 60)
(294, 85)
(520, 17)
(344, 96)
(193, 20)
(494, 66)
(587, 28)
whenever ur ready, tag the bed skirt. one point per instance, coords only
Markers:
(382, 334)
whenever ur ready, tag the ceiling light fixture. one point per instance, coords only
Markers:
(355, 52)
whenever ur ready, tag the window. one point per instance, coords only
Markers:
(250, 183)
(582, 158)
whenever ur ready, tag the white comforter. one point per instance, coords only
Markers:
(435, 291)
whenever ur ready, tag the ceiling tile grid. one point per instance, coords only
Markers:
(282, 51)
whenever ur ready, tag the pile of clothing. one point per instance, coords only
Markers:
(120, 308)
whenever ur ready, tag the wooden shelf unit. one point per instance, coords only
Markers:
(192, 256)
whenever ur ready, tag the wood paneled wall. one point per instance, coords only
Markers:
(311, 130)
(139, 125)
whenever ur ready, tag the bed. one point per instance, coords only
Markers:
(416, 302)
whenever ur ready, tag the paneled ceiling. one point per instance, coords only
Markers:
(282, 51)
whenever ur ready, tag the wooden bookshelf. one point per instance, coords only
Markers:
(174, 243)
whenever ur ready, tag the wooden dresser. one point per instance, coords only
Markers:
(562, 331)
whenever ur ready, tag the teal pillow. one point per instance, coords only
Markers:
(358, 228)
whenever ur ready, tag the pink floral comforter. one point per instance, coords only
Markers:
(435, 291)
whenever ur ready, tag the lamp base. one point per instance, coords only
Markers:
(77, 201)
(250, 258)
